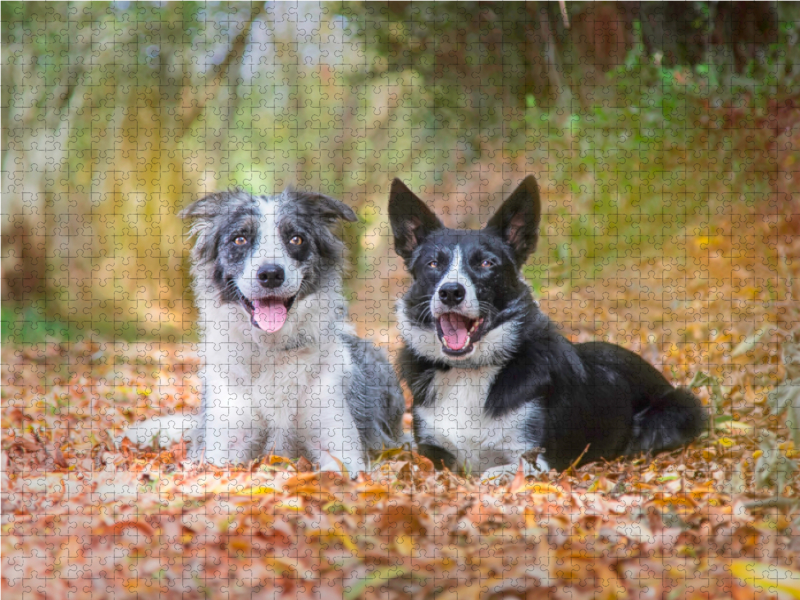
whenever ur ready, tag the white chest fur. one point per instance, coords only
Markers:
(458, 422)
(291, 400)
(278, 383)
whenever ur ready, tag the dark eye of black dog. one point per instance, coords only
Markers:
(431, 262)
(483, 262)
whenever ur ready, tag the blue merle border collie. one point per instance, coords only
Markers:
(491, 376)
(282, 371)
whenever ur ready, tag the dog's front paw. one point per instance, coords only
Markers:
(504, 474)
(351, 466)
(223, 457)
(162, 431)
(499, 475)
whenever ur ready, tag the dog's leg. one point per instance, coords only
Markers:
(330, 428)
(231, 424)
(439, 456)
(164, 430)
(337, 438)
(326, 425)
(503, 474)
(349, 453)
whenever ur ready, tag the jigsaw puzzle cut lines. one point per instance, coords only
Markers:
(405, 299)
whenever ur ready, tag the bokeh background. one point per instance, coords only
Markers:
(665, 137)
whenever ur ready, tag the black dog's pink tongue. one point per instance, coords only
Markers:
(455, 330)
(269, 314)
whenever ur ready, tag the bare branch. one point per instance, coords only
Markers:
(235, 54)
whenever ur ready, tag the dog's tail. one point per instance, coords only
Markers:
(669, 422)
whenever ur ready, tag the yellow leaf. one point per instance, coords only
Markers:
(704, 489)
(239, 543)
(256, 490)
(725, 441)
(539, 487)
(665, 500)
(405, 544)
(339, 533)
(373, 490)
(735, 427)
(771, 578)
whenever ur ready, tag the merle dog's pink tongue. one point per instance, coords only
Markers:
(454, 330)
(269, 314)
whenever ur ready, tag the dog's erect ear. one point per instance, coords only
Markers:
(517, 220)
(411, 220)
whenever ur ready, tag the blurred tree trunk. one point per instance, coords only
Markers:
(560, 95)
(96, 111)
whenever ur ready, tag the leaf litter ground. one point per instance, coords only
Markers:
(81, 519)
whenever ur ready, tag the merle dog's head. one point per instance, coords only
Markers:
(263, 253)
(468, 296)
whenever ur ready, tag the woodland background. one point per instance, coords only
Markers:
(665, 137)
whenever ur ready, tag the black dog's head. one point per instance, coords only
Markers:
(264, 252)
(468, 298)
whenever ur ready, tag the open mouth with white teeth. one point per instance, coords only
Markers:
(458, 333)
(269, 313)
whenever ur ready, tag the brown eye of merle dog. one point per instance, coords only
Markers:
(487, 263)
(433, 264)
(240, 240)
(296, 240)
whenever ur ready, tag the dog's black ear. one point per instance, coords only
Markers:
(517, 220)
(411, 220)
(323, 207)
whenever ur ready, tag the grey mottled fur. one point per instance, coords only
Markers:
(310, 389)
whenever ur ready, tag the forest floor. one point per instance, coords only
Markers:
(719, 519)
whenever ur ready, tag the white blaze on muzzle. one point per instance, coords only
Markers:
(459, 321)
(269, 305)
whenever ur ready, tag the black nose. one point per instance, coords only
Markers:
(271, 276)
(452, 293)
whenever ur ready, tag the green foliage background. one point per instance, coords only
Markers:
(116, 115)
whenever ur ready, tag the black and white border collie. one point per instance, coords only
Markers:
(491, 376)
(283, 373)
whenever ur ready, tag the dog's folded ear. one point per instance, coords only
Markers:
(313, 205)
(202, 213)
(517, 219)
(411, 220)
(208, 207)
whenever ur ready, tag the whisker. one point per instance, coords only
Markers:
(304, 283)
(426, 310)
